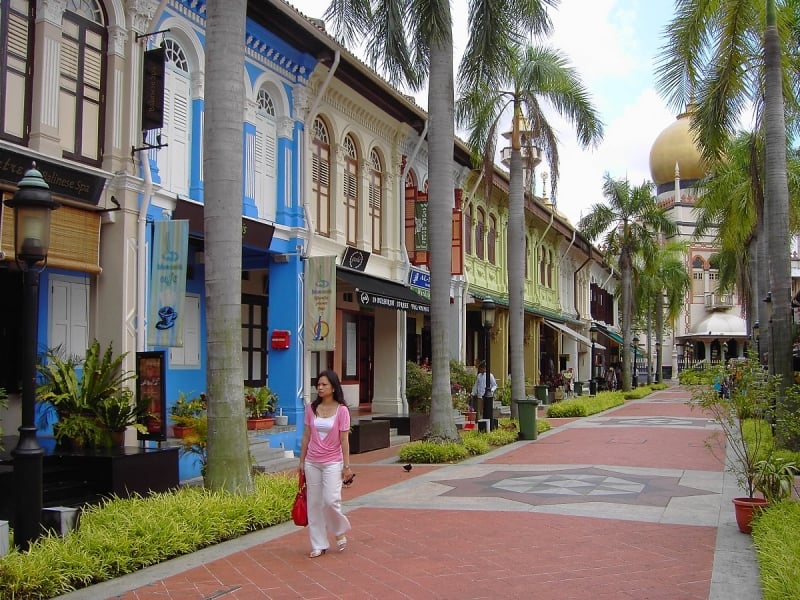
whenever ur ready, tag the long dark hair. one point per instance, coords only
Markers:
(338, 393)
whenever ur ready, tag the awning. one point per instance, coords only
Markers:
(574, 334)
(382, 293)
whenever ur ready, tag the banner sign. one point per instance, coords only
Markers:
(153, 89)
(320, 303)
(167, 283)
(421, 225)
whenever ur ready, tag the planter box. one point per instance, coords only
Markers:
(367, 435)
(260, 423)
(415, 425)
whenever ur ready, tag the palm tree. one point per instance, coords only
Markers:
(628, 223)
(533, 75)
(662, 286)
(411, 41)
(715, 49)
(228, 467)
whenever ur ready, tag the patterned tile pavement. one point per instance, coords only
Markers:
(626, 505)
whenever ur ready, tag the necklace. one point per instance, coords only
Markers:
(327, 412)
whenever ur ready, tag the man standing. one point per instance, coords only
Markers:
(479, 389)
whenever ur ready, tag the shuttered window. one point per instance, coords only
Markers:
(260, 180)
(479, 232)
(375, 200)
(81, 103)
(321, 177)
(468, 230)
(69, 315)
(16, 18)
(189, 354)
(173, 159)
(491, 240)
(350, 191)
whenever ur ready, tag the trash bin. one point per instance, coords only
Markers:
(526, 409)
(593, 387)
(578, 388)
(540, 392)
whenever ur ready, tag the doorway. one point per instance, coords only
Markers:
(366, 352)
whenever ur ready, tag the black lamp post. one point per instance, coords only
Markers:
(488, 310)
(770, 355)
(32, 204)
(724, 352)
(592, 381)
(634, 374)
(658, 361)
(757, 339)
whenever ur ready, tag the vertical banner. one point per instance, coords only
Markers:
(167, 283)
(421, 225)
(320, 302)
(153, 89)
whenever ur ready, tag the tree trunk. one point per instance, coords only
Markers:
(516, 269)
(626, 297)
(659, 319)
(649, 345)
(228, 465)
(440, 203)
(776, 209)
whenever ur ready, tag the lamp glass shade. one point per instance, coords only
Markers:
(487, 313)
(593, 333)
(636, 340)
(32, 232)
(756, 330)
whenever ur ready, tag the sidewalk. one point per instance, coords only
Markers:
(626, 505)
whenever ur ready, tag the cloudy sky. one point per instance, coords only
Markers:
(612, 44)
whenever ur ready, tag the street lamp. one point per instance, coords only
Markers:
(592, 382)
(724, 352)
(634, 374)
(757, 340)
(488, 310)
(658, 361)
(770, 354)
(32, 204)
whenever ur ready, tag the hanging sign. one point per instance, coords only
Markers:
(167, 283)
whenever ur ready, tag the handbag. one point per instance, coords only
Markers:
(300, 508)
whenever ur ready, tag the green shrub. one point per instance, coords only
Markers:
(122, 536)
(583, 406)
(418, 388)
(778, 550)
(657, 387)
(638, 392)
(425, 452)
(476, 443)
(696, 376)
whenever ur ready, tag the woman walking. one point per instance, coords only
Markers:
(325, 458)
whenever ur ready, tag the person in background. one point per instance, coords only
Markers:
(479, 389)
(325, 458)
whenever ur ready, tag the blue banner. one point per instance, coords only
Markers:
(167, 283)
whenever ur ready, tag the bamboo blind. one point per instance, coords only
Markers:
(74, 239)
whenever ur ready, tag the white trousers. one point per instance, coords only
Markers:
(324, 497)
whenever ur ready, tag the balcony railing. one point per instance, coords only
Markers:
(715, 300)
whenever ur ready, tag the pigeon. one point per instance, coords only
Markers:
(407, 467)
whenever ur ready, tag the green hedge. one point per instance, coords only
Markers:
(778, 550)
(123, 536)
(583, 406)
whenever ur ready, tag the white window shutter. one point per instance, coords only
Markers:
(173, 161)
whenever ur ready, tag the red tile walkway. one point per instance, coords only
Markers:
(491, 528)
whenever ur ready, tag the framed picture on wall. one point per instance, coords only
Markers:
(151, 384)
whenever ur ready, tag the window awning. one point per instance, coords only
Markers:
(381, 293)
(573, 334)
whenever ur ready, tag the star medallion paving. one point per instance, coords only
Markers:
(570, 486)
(656, 422)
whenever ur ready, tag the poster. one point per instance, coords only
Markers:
(167, 283)
(150, 383)
(320, 303)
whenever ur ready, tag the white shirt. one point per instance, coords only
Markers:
(479, 389)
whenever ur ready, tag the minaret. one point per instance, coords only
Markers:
(531, 155)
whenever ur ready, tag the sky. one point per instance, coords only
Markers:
(612, 44)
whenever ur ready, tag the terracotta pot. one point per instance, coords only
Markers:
(181, 431)
(117, 438)
(745, 510)
(260, 423)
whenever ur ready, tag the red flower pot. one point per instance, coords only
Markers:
(745, 510)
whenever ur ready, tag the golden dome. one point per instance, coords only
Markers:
(676, 144)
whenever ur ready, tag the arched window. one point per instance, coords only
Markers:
(350, 190)
(550, 268)
(698, 276)
(321, 176)
(260, 176)
(375, 199)
(173, 160)
(491, 237)
(16, 37)
(81, 102)
(527, 254)
(479, 232)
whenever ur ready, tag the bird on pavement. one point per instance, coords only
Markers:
(407, 467)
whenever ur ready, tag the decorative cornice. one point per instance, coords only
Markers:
(51, 11)
(140, 14)
(118, 37)
(285, 127)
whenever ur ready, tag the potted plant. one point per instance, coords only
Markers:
(260, 405)
(119, 411)
(195, 442)
(185, 413)
(744, 418)
(77, 431)
(775, 477)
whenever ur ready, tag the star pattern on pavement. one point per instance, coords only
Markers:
(656, 422)
(570, 486)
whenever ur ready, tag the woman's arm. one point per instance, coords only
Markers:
(344, 439)
(304, 445)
